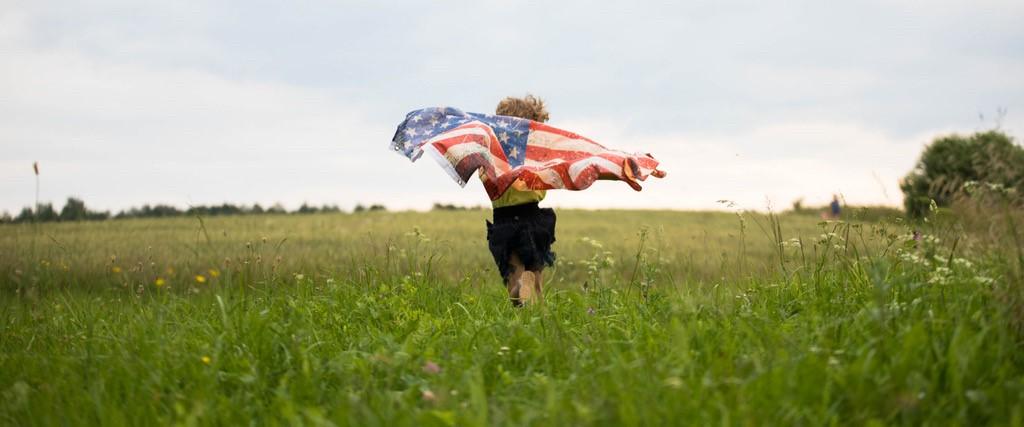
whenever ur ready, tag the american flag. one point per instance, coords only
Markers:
(506, 149)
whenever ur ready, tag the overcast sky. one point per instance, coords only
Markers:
(199, 102)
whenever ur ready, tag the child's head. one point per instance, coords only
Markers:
(529, 107)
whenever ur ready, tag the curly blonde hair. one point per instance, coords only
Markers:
(529, 107)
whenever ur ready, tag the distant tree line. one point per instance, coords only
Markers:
(451, 207)
(75, 210)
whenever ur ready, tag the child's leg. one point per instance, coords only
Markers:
(539, 278)
(524, 286)
(528, 287)
(512, 282)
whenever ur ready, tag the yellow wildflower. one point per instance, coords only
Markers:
(200, 278)
(213, 272)
(160, 282)
(205, 359)
(116, 269)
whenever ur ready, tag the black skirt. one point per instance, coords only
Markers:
(525, 230)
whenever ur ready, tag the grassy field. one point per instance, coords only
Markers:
(400, 319)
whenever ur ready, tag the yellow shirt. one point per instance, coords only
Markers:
(513, 197)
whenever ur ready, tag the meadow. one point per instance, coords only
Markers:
(378, 318)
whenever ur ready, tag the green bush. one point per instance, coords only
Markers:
(953, 160)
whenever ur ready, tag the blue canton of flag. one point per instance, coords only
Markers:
(422, 125)
(512, 133)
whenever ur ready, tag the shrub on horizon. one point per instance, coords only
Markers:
(951, 161)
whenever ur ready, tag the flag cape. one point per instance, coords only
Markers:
(506, 149)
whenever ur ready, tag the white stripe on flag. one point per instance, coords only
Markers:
(550, 177)
(459, 132)
(457, 152)
(554, 141)
(437, 156)
(600, 162)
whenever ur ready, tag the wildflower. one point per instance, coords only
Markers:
(300, 276)
(674, 382)
(213, 272)
(431, 368)
(115, 269)
(594, 243)
(984, 280)
(590, 311)
(960, 262)
(940, 276)
(829, 237)
(159, 282)
(200, 278)
(794, 242)
(428, 396)
(205, 359)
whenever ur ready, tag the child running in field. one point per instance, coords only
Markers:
(518, 157)
(521, 235)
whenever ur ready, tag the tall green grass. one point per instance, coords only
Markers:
(399, 319)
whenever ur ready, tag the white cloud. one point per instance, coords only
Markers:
(120, 134)
(774, 164)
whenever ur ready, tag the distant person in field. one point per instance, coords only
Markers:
(521, 235)
(834, 209)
